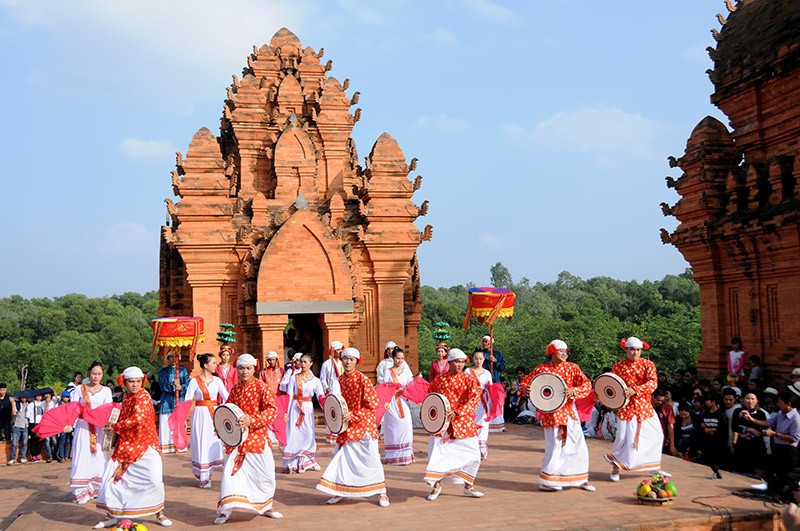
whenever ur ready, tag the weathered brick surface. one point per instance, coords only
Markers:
(277, 208)
(739, 209)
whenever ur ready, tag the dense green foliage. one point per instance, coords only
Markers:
(590, 315)
(53, 338)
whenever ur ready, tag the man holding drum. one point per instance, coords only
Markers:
(455, 453)
(355, 470)
(248, 476)
(637, 446)
(566, 457)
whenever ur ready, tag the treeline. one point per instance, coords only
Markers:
(590, 315)
(44, 341)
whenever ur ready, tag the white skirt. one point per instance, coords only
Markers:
(648, 455)
(355, 471)
(207, 449)
(567, 465)
(483, 431)
(165, 434)
(140, 491)
(299, 454)
(398, 434)
(497, 424)
(457, 459)
(87, 468)
(253, 485)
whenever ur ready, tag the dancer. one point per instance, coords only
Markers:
(301, 446)
(566, 457)
(248, 476)
(439, 365)
(272, 374)
(329, 374)
(397, 424)
(456, 454)
(225, 369)
(88, 458)
(640, 438)
(132, 481)
(355, 470)
(484, 378)
(205, 389)
(166, 380)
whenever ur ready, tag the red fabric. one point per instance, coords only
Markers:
(585, 406)
(177, 423)
(497, 394)
(278, 425)
(417, 390)
(231, 380)
(464, 394)
(438, 368)
(575, 380)
(362, 401)
(136, 428)
(255, 399)
(98, 416)
(385, 392)
(56, 419)
(641, 375)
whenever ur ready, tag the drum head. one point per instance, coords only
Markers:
(334, 408)
(548, 392)
(433, 413)
(226, 422)
(610, 390)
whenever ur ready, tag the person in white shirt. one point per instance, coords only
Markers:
(387, 362)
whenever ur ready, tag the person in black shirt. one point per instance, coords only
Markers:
(713, 435)
(749, 450)
(685, 430)
(5, 413)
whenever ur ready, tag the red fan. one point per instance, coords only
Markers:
(497, 394)
(278, 425)
(55, 419)
(177, 424)
(417, 390)
(385, 393)
(585, 406)
(98, 416)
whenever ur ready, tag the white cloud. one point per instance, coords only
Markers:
(442, 123)
(593, 130)
(491, 241)
(438, 36)
(128, 239)
(145, 150)
(363, 12)
(489, 10)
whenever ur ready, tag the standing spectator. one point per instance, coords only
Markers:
(666, 415)
(717, 384)
(769, 400)
(64, 439)
(736, 358)
(730, 402)
(117, 395)
(795, 376)
(756, 370)
(5, 413)
(77, 379)
(663, 383)
(749, 450)
(677, 387)
(690, 377)
(713, 435)
(19, 414)
(685, 432)
(34, 413)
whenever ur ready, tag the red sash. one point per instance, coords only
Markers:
(206, 395)
(92, 432)
(298, 399)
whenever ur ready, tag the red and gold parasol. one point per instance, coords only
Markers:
(176, 333)
(487, 304)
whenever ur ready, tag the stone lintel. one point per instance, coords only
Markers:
(294, 307)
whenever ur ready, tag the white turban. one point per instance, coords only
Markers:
(456, 354)
(351, 352)
(132, 372)
(390, 344)
(246, 359)
(487, 338)
(336, 345)
(297, 356)
(558, 344)
(634, 342)
(271, 355)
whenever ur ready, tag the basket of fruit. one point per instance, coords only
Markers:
(658, 490)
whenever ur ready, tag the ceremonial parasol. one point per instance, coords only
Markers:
(176, 333)
(55, 419)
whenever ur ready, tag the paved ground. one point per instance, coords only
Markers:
(36, 496)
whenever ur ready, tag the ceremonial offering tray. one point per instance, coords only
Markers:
(658, 490)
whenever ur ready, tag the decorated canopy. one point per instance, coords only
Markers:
(177, 332)
(488, 303)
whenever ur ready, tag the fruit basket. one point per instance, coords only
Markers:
(658, 490)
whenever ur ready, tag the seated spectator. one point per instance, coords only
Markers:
(756, 370)
(5, 413)
(713, 435)
(666, 416)
(685, 432)
(19, 415)
(749, 450)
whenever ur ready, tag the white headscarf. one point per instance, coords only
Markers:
(246, 359)
(634, 342)
(336, 345)
(456, 354)
(351, 352)
(132, 372)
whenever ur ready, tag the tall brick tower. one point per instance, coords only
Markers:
(739, 210)
(278, 225)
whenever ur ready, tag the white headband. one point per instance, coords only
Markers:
(487, 338)
(132, 372)
(246, 359)
(558, 344)
(336, 345)
(351, 352)
(456, 354)
(297, 356)
(390, 344)
(634, 342)
(272, 355)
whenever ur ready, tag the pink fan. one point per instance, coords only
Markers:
(177, 424)
(497, 394)
(55, 419)
(98, 416)
(385, 393)
(585, 406)
(278, 425)
(417, 390)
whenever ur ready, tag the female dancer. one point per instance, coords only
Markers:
(484, 378)
(439, 365)
(88, 459)
(225, 369)
(397, 425)
(204, 389)
(301, 447)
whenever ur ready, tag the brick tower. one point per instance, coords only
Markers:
(739, 210)
(278, 227)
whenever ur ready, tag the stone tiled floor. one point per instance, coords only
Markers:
(37, 497)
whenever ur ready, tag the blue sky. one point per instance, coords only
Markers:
(542, 127)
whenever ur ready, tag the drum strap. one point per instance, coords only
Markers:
(398, 400)
(298, 399)
(92, 430)
(206, 395)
